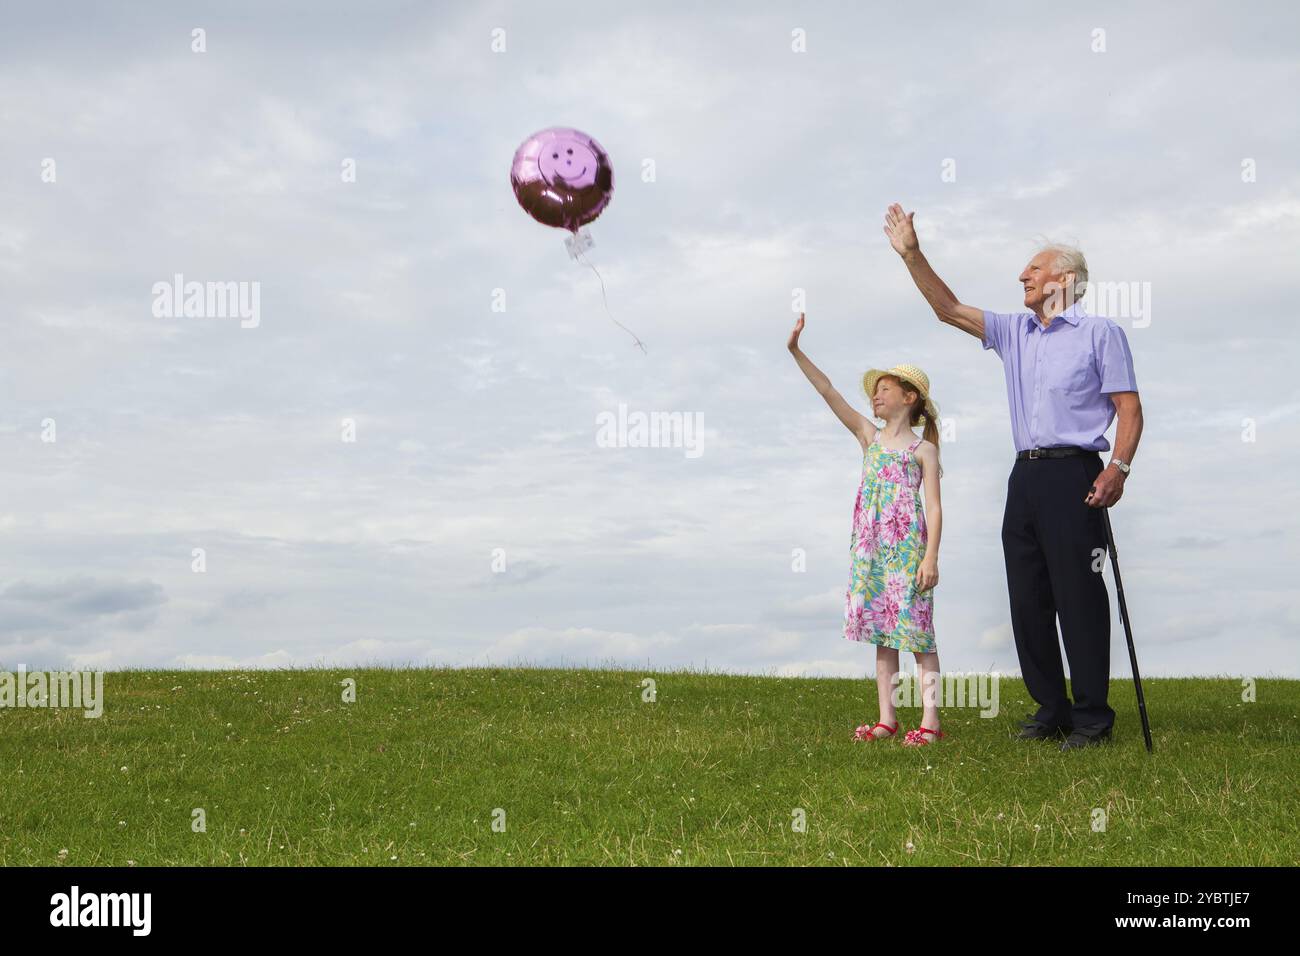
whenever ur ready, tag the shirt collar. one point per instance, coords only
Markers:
(1071, 315)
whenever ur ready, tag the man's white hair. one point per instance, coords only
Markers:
(1069, 259)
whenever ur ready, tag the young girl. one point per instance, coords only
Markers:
(895, 557)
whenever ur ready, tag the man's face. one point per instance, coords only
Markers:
(1042, 281)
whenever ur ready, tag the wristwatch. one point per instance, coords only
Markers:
(1123, 466)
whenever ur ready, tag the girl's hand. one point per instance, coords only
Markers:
(793, 344)
(927, 576)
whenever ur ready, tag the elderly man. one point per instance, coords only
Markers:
(1068, 375)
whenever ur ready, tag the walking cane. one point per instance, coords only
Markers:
(1128, 629)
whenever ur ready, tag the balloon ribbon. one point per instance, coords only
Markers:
(603, 298)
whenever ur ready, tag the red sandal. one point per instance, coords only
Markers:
(916, 738)
(865, 733)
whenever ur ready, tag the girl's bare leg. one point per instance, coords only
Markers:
(927, 669)
(886, 670)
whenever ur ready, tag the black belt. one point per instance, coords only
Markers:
(1063, 451)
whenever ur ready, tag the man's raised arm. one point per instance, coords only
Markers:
(898, 227)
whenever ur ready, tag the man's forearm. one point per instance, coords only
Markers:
(1128, 431)
(934, 289)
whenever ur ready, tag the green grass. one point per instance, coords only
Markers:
(586, 772)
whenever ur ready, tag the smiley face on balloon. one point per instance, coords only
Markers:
(568, 161)
(562, 177)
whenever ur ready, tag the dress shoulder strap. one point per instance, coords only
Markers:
(912, 447)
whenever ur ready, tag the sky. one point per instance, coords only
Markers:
(397, 461)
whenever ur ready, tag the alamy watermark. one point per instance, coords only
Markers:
(81, 690)
(75, 908)
(651, 430)
(952, 689)
(209, 300)
(1117, 300)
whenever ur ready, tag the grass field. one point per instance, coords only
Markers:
(581, 769)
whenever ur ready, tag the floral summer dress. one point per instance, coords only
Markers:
(882, 605)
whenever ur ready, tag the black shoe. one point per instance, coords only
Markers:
(1086, 737)
(1032, 729)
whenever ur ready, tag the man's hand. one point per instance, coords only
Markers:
(898, 227)
(1107, 489)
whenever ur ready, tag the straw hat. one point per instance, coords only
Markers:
(908, 373)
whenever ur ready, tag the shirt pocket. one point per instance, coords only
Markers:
(1073, 371)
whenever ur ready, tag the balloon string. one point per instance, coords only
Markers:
(639, 344)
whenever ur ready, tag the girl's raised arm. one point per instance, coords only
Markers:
(863, 428)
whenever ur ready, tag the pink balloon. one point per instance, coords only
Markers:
(562, 177)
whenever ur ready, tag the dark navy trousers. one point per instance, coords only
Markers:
(1052, 540)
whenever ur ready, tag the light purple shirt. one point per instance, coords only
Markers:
(1058, 378)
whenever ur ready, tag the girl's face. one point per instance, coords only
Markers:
(891, 398)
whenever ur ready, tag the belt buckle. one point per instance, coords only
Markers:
(1033, 454)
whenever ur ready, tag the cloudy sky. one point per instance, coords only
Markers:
(1165, 146)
